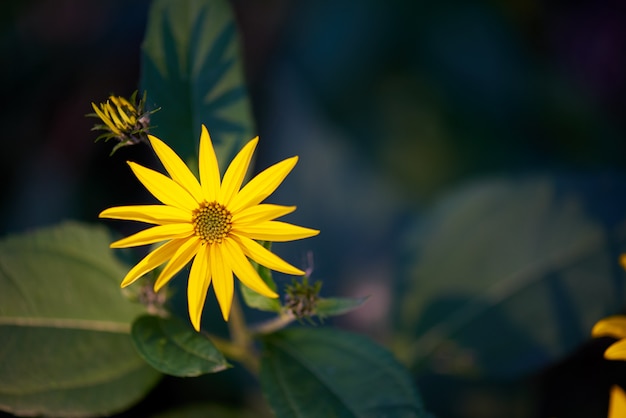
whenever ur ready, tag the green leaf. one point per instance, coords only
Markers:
(192, 69)
(326, 307)
(174, 347)
(508, 276)
(64, 326)
(256, 300)
(328, 373)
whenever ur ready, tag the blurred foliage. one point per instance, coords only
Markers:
(436, 92)
(394, 104)
(505, 277)
(192, 70)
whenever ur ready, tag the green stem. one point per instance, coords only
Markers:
(273, 325)
(244, 355)
(237, 325)
(240, 348)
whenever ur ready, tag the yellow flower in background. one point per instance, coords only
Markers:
(117, 114)
(124, 120)
(613, 326)
(215, 222)
(617, 403)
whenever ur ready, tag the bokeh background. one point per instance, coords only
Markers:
(400, 112)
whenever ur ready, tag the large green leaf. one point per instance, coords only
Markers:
(64, 326)
(174, 347)
(510, 275)
(328, 373)
(192, 69)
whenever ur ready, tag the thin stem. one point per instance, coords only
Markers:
(273, 324)
(237, 325)
(233, 351)
(241, 347)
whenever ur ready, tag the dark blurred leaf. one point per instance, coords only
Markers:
(64, 326)
(328, 373)
(174, 347)
(508, 276)
(192, 69)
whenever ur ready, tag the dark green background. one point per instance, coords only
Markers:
(393, 107)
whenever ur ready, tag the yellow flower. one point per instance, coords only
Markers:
(613, 326)
(617, 403)
(123, 120)
(118, 114)
(217, 222)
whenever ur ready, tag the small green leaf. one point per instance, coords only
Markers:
(328, 373)
(326, 307)
(64, 326)
(174, 347)
(192, 69)
(256, 300)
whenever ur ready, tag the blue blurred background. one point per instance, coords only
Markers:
(392, 107)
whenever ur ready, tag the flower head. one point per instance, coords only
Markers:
(301, 298)
(123, 120)
(215, 222)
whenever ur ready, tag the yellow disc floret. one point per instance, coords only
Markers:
(212, 222)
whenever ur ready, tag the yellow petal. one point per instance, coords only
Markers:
(152, 214)
(236, 172)
(177, 169)
(121, 101)
(122, 106)
(164, 188)
(617, 404)
(616, 351)
(622, 260)
(275, 231)
(128, 122)
(198, 285)
(208, 167)
(261, 255)
(155, 234)
(183, 255)
(261, 213)
(262, 185)
(105, 119)
(613, 326)
(113, 115)
(244, 270)
(222, 279)
(152, 260)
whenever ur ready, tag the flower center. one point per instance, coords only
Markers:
(212, 222)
